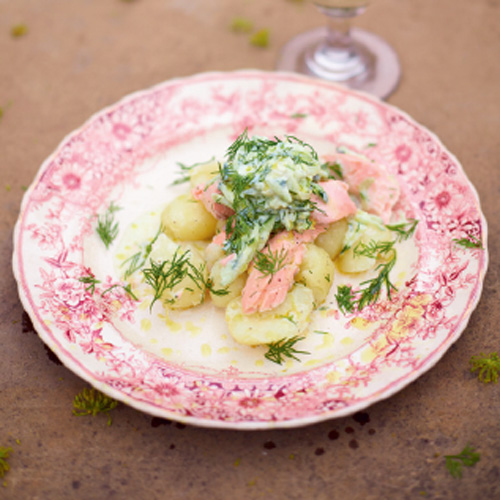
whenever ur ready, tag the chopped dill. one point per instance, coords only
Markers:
(403, 230)
(470, 242)
(334, 170)
(241, 25)
(165, 275)
(140, 258)
(269, 263)
(184, 172)
(289, 317)
(91, 402)
(348, 299)
(321, 332)
(260, 38)
(107, 228)
(468, 457)
(19, 30)
(488, 367)
(4, 465)
(92, 282)
(284, 348)
(298, 115)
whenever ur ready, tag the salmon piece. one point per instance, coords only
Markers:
(205, 193)
(338, 206)
(378, 189)
(263, 292)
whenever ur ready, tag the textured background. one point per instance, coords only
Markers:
(81, 55)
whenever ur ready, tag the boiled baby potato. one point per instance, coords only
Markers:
(287, 320)
(332, 240)
(316, 272)
(203, 173)
(349, 262)
(186, 219)
(233, 289)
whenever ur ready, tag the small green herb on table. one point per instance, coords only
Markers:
(91, 402)
(467, 457)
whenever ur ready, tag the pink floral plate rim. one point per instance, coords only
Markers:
(428, 315)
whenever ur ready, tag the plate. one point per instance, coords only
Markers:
(184, 366)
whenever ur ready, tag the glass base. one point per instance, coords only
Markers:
(377, 71)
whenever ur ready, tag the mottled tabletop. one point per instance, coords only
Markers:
(63, 61)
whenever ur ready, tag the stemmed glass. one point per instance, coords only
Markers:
(339, 53)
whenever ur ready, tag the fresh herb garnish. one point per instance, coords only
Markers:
(468, 457)
(403, 230)
(334, 170)
(92, 282)
(241, 25)
(298, 115)
(165, 275)
(269, 263)
(348, 299)
(4, 455)
(19, 30)
(284, 348)
(488, 367)
(260, 38)
(139, 259)
(91, 402)
(470, 242)
(107, 228)
(184, 172)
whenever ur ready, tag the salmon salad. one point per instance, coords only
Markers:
(263, 232)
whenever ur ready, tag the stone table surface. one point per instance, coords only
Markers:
(79, 56)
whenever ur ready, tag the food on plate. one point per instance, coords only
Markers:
(264, 232)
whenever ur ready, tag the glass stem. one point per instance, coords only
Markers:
(339, 27)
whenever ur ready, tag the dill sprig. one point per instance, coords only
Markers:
(403, 230)
(107, 228)
(334, 170)
(165, 275)
(470, 242)
(284, 348)
(269, 263)
(91, 402)
(185, 171)
(488, 367)
(140, 258)
(91, 281)
(4, 455)
(468, 457)
(348, 299)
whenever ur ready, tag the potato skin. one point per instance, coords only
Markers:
(289, 319)
(348, 262)
(186, 219)
(316, 272)
(332, 240)
(203, 173)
